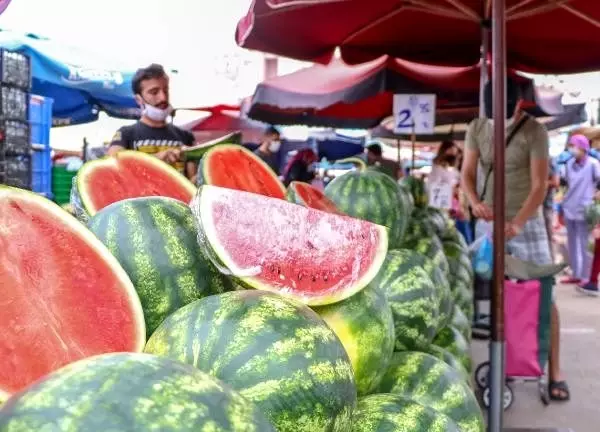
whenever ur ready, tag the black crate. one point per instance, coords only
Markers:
(15, 69)
(14, 103)
(15, 138)
(16, 171)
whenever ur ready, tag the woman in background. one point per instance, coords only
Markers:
(300, 167)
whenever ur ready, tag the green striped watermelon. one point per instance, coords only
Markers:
(440, 220)
(455, 343)
(274, 351)
(450, 360)
(431, 382)
(458, 261)
(375, 197)
(130, 392)
(461, 323)
(365, 326)
(413, 299)
(433, 249)
(156, 241)
(454, 235)
(462, 293)
(395, 413)
(309, 196)
(419, 227)
(418, 190)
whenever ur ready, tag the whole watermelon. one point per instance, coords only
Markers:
(433, 249)
(450, 360)
(365, 326)
(461, 323)
(419, 227)
(156, 242)
(413, 299)
(455, 343)
(439, 219)
(431, 382)
(276, 352)
(418, 190)
(130, 392)
(374, 197)
(462, 294)
(395, 413)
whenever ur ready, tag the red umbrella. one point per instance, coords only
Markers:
(223, 120)
(360, 96)
(558, 36)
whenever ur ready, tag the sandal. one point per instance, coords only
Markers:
(559, 391)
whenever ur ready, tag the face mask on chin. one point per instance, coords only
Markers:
(155, 113)
(274, 146)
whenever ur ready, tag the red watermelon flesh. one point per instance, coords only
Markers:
(315, 257)
(309, 196)
(129, 174)
(235, 167)
(64, 296)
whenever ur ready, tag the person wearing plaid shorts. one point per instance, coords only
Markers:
(526, 181)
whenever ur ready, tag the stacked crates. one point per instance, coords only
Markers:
(15, 134)
(40, 120)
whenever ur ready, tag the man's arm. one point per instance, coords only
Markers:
(468, 175)
(191, 167)
(119, 142)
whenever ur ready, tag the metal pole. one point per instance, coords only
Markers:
(497, 303)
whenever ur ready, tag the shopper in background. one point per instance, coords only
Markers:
(152, 134)
(300, 167)
(268, 150)
(376, 160)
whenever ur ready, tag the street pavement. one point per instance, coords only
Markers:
(580, 358)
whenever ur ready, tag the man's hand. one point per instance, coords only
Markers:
(512, 229)
(482, 211)
(169, 156)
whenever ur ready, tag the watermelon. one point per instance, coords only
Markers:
(461, 323)
(365, 326)
(130, 392)
(455, 343)
(418, 190)
(440, 220)
(395, 413)
(64, 296)
(413, 300)
(315, 257)
(195, 153)
(432, 248)
(375, 197)
(235, 167)
(431, 382)
(276, 352)
(359, 164)
(128, 174)
(463, 293)
(156, 241)
(309, 196)
(450, 360)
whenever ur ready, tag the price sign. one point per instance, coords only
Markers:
(414, 112)
(440, 195)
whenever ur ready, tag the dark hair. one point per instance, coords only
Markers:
(513, 94)
(153, 71)
(444, 147)
(375, 149)
(272, 130)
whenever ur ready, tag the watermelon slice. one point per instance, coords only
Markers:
(309, 196)
(64, 296)
(315, 257)
(128, 174)
(235, 167)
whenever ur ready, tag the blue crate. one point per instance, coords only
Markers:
(40, 119)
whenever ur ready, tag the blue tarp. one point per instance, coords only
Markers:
(80, 83)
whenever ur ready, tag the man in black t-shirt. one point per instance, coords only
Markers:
(152, 134)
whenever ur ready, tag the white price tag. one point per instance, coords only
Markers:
(440, 195)
(414, 111)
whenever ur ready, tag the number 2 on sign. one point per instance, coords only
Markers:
(404, 119)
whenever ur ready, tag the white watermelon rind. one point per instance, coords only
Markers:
(88, 169)
(59, 215)
(201, 207)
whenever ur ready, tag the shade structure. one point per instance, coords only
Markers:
(81, 84)
(223, 120)
(433, 31)
(360, 96)
(3, 5)
(452, 124)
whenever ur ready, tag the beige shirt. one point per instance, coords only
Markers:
(530, 143)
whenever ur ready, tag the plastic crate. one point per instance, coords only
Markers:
(14, 103)
(40, 120)
(16, 171)
(14, 137)
(15, 69)
(61, 184)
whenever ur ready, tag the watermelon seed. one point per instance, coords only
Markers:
(325, 277)
(314, 278)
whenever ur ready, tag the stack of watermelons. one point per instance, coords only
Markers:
(258, 309)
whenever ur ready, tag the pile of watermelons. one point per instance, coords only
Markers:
(241, 306)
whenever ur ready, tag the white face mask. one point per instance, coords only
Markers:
(157, 114)
(274, 146)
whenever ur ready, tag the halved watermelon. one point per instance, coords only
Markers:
(315, 257)
(64, 296)
(309, 196)
(235, 167)
(128, 174)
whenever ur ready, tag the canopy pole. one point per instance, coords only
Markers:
(497, 377)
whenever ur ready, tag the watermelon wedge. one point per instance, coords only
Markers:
(128, 174)
(235, 167)
(309, 196)
(314, 257)
(64, 296)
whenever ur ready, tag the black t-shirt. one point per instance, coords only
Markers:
(139, 136)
